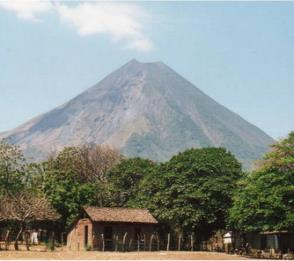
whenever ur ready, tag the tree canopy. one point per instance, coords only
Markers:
(125, 177)
(12, 168)
(75, 177)
(265, 198)
(193, 190)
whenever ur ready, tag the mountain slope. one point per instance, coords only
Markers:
(143, 109)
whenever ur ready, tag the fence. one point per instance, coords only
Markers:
(153, 242)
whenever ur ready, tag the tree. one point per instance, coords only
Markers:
(125, 177)
(89, 162)
(193, 191)
(12, 167)
(265, 198)
(67, 194)
(76, 177)
(23, 209)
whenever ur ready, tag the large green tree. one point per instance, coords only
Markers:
(76, 177)
(265, 199)
(193, 191)
(124, 179)
(67, 194)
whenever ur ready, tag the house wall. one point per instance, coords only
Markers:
(286, 242)
(118, 231)
(76, 237)
(96, 230)
(254, 240)
(279, 242)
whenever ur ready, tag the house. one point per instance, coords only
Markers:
(279, 241)
(112, 229)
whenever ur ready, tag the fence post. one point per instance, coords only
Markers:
(168, 242)
(151, 241)
(179, 242)
(53, 240)
(144, 236)
(192, 243)
(124, 241)
(103, 242)
(62, 243)
(115, 242)
(130, 244)
(158, 245)
(138, 242)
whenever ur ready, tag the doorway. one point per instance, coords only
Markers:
(108, 235)
(86, 232)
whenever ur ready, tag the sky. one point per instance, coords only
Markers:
(239, 53)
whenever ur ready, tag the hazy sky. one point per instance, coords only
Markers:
(241, 54)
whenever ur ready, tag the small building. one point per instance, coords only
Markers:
(112, 229)
(279, 241)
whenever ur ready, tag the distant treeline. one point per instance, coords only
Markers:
(197, 191)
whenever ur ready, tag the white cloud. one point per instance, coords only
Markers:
(27, 10)
(123, 22)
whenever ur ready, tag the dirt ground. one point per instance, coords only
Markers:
(63, 254)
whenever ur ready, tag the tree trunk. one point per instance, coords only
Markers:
(17, 238)
(26, 235)
(7, 239)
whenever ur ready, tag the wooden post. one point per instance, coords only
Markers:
(124, 241)
(130, 244)
(179, 242)
(62, 243)
(168, 242)
(103, 242)
(150, 243)
(192, 243)
(53, 240)
(115, 242)
(138, 242)
(158, 245)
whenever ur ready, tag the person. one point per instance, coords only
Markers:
(34, 238)
(247, 248)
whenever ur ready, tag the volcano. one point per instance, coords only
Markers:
(142, 109)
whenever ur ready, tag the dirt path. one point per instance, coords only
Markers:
(91, 255)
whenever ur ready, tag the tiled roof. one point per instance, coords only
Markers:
(126, 215)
